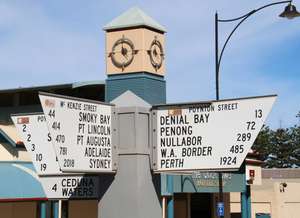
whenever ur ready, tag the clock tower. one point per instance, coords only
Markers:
(135, 57)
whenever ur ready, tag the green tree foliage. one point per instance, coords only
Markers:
(279, 148)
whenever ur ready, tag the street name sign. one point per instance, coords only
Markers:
(210, 136)
(65, 187)
(82, 133)
(34, 133)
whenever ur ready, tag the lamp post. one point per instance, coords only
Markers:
(289, 12)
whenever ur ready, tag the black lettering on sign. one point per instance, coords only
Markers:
(54, 188)
(39, 157)
(60, 139)
(163, 152)
(63, 150)
(69, 163)
(196, 151)
(49, 138)
(174, 120)
(172, 153)
(24, 127)
(258, 113)
(227, 107)
(51, 113)
(88, 117)
(97, 141)
(99, 163)
(28, 137)
(104, 119)
(90, 107)
(73, 105)
(200, 109)
(81, 128)
(243, 137)
(41, 118)
(98, 129)
(79, 140)
(80, 187)
(172, 163)
(184, 141)
(56, 125)
(32, 147)
(201, 118)
(251, 125)
(228, 160)
(176, 130)
(237, 149)
(43, 167)
(97, 152)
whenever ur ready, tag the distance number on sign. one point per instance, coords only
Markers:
(38, 156)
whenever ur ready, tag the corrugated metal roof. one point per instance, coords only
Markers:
(134, 17)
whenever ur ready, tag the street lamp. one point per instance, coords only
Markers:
(289, 12)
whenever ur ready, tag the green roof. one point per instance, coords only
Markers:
(88, 83)
(134, 17)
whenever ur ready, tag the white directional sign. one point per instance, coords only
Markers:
(65, 187)
(37, 140)
(207, 136)
(82, 133)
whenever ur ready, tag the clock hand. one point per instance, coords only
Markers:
(124, 51)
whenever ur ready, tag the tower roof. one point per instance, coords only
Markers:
(133, 17)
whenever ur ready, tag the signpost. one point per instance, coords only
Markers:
(82, 133)
(38, 142)
(65, 187)
(34, 133)
(210, 136)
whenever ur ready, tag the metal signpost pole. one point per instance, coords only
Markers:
(244, 205)
(170, 213)
(217, 97)
(248, 193)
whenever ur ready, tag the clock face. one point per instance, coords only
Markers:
(122, 52)
(156, 54)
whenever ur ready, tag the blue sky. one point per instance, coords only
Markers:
(51, 42)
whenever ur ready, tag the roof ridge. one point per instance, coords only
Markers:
(133, 17)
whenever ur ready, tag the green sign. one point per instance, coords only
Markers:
(205, 182)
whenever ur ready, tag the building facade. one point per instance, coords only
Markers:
(277, 196)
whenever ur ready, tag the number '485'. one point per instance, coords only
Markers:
(235, 149)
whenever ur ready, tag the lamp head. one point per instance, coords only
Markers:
(290, 12)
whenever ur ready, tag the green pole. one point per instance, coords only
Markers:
(43, 210)
(171, 200)
(55, 209)
(244, 205)
(248, 192)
